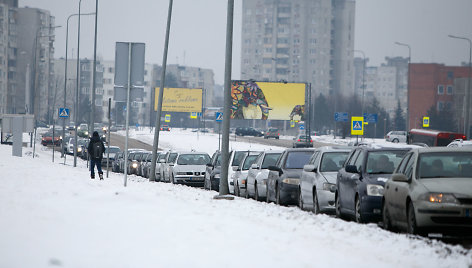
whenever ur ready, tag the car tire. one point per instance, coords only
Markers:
(236, 189)
(412, 226)
(267, 193)
(387, 224)
(172, 179)
(247, 193)
(358, 214)
(339, 214)
(316, 205)
(256, 193)
(300, 199)
(395, 140)
(277, 138)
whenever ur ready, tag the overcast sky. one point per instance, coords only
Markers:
(199, 26)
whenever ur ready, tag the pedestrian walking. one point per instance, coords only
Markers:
(95, 150)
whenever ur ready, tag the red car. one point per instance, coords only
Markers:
(165, 128)
(47, 139)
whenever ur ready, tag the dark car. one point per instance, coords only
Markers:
(113, 150)
(272, 133)
(284, 178)
(47, 138)
(302, 141)
(116, 162)
(165, 128)
(213, 173)
(360, 183)
(248, 131)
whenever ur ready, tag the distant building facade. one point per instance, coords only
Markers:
(8, 56)
(299, 41)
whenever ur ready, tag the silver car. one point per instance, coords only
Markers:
(189, 168)
(318, 179)
(240, 174)
(431, 191)
(168, 166)
(235, 159)
(258, 173)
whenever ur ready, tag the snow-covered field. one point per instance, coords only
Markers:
(53, 215)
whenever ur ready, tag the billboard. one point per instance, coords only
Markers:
(180, 99)
(267, 100)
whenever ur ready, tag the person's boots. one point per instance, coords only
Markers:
(92, 177)
(100, 174)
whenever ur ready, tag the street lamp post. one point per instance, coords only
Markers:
(467, 93)
(76, 112)
(407, 86)
(65, 76)
(94, 72)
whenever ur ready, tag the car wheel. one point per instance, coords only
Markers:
(395, 140)
(236, 189)
(277, 195)
(247, 193)
(267, 193)
(256, 193)
(358, 210)
(205, 184)
(412, 227)
(277, 138)
(300, 199)
(172, 179)
(338, 208)
(387, 224)
(316, 205)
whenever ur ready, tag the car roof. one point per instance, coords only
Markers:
(337, 148)
(443, 149)
(300, 149)
(192, 153)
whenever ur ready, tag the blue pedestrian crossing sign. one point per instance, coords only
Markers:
(63, 113)
(193, 115)
(426, 121)
(219, 117)
(357, 125)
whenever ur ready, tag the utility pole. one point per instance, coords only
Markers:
(152, 176)
(94, 72)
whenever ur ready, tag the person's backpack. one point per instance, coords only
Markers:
(97, 150)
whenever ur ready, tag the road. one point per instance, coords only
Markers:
(118, 140)
(273, 142)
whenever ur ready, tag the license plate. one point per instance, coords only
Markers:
(467, 213)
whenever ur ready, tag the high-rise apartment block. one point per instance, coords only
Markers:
(300, 41)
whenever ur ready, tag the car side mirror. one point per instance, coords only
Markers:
(399, 177)
(275, 168)
(309, 168)
(254, 166)
(235, 168)
(209, 165)
(351, 169)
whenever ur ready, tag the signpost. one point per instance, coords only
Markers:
(193, 115)
(64, 113)
(219, 119)
(426, 121)
(370, 118)
(167, 118)
(357, 125)
(341, 117)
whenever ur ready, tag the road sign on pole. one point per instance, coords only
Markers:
(426, 121)
(302, 127)
(370, 118)
(167, 118)
(193, 115)
(219, 117)
(357, 125)
(341, 117)
(63, 113)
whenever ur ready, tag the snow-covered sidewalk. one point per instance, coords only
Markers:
(53, 215)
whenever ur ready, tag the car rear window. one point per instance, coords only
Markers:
(331, 162)
(249, 161)
(238, 157)
(296, 160)
(270, 160)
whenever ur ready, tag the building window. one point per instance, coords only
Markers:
(449, 90)
(450, 75)
(440, 106)
(440, 90)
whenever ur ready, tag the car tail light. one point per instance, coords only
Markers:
(278, 134)
(464, 137)
(311, 140)
(299, 140)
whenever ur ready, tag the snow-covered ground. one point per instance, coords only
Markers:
(53, 215)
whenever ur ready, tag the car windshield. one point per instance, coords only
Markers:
(82, 142)
(304, 137)
(445, 165)
(331, 162)
(384, 162)
(218, 160)
(112, 150)
(172, 158)
(249, 161)
(161, 156)
(137, 156)
(270, 160)
(193, 159)
(296, 160)
(238, 157)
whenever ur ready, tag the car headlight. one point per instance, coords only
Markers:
(79, 149)
(181, 173)
(291, 181)
(86, 132)
(134, 165)
(440, 198)
(329, 187)
(375, 190)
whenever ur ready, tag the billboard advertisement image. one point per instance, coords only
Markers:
(180, 100)
(267, 100)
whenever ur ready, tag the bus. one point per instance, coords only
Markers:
(433, 137)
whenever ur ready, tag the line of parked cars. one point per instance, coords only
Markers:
(410, 188)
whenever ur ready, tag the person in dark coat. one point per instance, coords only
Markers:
(95, 151)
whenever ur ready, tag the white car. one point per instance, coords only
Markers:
(258, 172)
(240, 174)
(168, 166)
(396, 136)
(189, 168)
(235, 159)
(460, 143)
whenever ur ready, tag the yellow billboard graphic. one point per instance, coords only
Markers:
(267, 100)
(180, 100)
